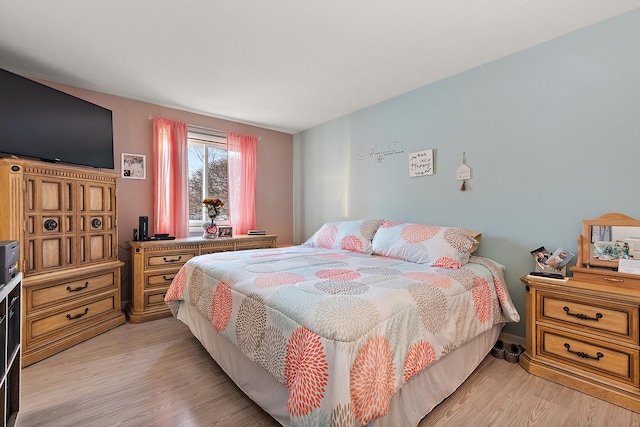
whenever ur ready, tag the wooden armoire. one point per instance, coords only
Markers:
(65, 219)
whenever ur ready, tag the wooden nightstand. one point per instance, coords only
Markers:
(154, 264)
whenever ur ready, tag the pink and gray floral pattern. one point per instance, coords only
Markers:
(344, 331)
(354, 236)
(443, 247)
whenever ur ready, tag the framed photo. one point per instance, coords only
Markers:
(559, 259)
(225, 231)
(134, 166)
(541, 256)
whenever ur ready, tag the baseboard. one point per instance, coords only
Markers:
(513, 339)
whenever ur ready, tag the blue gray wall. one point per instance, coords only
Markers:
(551, 134)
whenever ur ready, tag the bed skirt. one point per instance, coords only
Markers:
(408, 406)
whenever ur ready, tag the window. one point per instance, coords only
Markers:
(208, 177)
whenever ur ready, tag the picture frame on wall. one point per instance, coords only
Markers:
(225, 231)
(134, 166)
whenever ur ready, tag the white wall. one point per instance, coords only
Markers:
(552, 136)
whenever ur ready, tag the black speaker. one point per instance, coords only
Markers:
(9, 254)
(143, 228)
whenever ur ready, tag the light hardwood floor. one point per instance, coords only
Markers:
(157, 374)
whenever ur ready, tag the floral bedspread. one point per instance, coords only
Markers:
(342, 330)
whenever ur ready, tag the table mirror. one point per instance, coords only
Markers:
(607, 239)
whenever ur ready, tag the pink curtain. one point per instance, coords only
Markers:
(243, 167)
(170, 169)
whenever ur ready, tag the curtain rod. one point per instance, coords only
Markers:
(151, 117)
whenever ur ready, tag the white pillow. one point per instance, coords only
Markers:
(444, 247)
(353, 236)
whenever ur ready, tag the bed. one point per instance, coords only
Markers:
(370, 322)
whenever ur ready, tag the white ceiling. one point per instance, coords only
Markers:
(281, 64)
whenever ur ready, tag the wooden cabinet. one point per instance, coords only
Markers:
(10, 327)
(69, 222)
(154, 264)
(584, 333)
(65, 219)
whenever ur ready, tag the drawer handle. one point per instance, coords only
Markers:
(172, 259)
(79, 288)
(583, 316)
(613, 279)
(77, 316)
(167, 278)
(583, 354)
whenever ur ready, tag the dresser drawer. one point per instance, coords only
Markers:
(256, 244)
(220, 246)
(66, 322)
(160, 279)
(600, 358)
(39, 297)
(594, 316)
(155, 299)
(155, 263)
(168, 259)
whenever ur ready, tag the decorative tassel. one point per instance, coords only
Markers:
(463, 188)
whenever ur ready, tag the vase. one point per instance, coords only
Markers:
(210, 229)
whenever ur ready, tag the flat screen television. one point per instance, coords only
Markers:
(40, 122)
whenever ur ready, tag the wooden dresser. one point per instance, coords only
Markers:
(154, 264)
(65, 219)
(583, 332)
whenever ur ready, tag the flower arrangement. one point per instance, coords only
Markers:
(212, 205)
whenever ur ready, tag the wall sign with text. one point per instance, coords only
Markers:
(421, 163)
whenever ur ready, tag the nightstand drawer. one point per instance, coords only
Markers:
(615, 279)
(44, 296)
(168, 259)
(595, 316)
(602, 359)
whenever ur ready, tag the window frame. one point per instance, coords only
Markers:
(208, 138)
